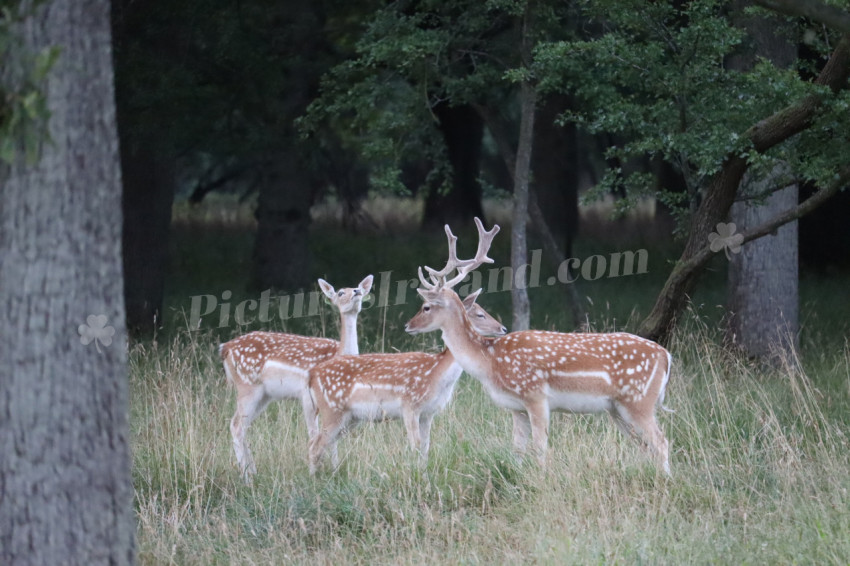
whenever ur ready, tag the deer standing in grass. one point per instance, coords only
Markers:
(413, 386)
(532, 373)
(270, 366)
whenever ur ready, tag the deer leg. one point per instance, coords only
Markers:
(538, 416)
(425, 437)
(332, 448)
(411, 423)
(647, 432)
(332, 424)
(311, 414)
(522, 430)
(250, 402)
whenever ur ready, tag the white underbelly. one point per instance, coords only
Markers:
(375, 411)
(578, 402)
(285, 386)
(503, 399)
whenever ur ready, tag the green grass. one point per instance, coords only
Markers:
(761, 472)
(760, 456)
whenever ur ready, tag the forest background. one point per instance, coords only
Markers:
(659, 166)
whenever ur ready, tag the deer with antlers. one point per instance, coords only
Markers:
(270, 366)
(413, 386)
(533, 373)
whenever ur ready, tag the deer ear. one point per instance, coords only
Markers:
(366, 285)
(327, 289)
(469, 300)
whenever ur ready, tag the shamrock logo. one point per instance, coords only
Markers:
(96, 330)
(726, 239)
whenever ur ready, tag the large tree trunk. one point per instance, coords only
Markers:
(147, 199)
(281, 248)
(763, 290)
(555, 167)
(65, 486)
(148, 183)
(721, 191)
(462, 130)
(763, 297)
(281, 251)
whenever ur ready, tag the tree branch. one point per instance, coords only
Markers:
(805, 207)
(800, 210)
(203, 189)
(830, 16)
(723, 188)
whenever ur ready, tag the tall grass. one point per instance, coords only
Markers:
(759, 455)
(761, 473)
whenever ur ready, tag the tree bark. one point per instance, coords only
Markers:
(462, 131)
(721, 191)
(148, 194)
(281, 251)
(281, 248)
(65, 486)
(519, 243)
(763, 290)
(763, 286)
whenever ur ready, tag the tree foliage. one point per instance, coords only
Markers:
(23, 107)
(412, 57)
(657, 76)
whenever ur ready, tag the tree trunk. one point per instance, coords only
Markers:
(519, 243)
(65, 486)
(763, 280)
(148, 182)
(535, 214)
(522, 173)
(762, 291)
(281, 251)
(147, 199)
(462, 130)
(555, 167)
(281, 248)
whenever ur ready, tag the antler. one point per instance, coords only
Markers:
(463, 266)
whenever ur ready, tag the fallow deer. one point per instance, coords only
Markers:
(413, 386)
(532, 373)
(270, 366)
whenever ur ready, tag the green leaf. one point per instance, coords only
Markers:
(7, 148)
(44, 61)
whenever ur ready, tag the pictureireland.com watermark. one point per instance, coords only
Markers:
(393, 292)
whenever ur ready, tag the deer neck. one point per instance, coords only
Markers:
(348, 335)
(466, 346)
(446, 361)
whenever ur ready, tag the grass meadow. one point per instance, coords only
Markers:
(759, 455)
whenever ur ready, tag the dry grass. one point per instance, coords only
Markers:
(391, 214)
(761, 473)
(760, 456)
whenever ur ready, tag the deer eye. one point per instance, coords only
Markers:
(341, 293)
(480, 315)
(426, 308)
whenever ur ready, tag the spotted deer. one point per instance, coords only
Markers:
(532, 373)
(270, 366)
(413, 386)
